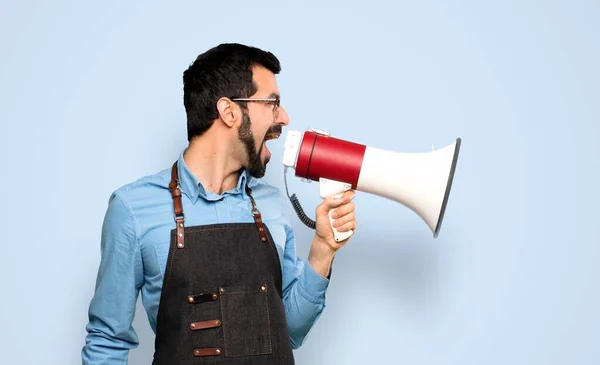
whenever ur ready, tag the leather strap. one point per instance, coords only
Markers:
(207, 352)
(205, 324)
(201, 298)
(178, 205)
(257, 217)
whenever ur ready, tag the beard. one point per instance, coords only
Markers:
(255, 167)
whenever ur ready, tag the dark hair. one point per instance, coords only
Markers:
(222, 71)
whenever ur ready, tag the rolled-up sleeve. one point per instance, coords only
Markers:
(110, 334)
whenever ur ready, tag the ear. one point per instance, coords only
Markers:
(226, 109)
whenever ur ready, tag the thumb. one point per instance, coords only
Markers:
(328, 204)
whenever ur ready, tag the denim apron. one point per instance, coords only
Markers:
(221, 299)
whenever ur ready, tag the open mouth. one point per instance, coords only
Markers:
(272, 135)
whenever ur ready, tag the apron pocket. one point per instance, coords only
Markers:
(245, 319)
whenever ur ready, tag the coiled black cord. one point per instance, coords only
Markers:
(297, 207)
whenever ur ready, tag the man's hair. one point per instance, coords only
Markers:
(222, 71)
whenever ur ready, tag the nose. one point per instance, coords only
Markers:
(283, 117)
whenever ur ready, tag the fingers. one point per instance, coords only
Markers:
(344, 218)
(345, 223)
(347, 227)
(348, 196)
(343, 210)
(331, 203)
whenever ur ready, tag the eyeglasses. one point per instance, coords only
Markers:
(274, 101)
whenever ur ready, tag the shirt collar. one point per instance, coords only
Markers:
(193, 188)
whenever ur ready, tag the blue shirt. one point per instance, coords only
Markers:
(135, 245)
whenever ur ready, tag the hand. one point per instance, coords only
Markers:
(344, 220)
(324, 246)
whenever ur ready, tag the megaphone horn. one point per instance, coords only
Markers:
(419, 181)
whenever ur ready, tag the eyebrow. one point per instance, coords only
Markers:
(275, 96)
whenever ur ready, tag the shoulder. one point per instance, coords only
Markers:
(132, 205)
(147, 189)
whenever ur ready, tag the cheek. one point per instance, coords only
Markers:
(258, 140)
(259, 135)
(259, 127)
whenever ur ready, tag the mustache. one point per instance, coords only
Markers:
(274, 130)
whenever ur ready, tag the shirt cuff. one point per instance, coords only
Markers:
(313, 286)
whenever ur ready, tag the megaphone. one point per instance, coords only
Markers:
(419, 181)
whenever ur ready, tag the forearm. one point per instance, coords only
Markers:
(321, 258)
(103, 347)
(304, 302)
(110, 335)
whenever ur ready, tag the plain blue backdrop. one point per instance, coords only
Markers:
(91, 99)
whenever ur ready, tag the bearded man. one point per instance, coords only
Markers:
(206, 242)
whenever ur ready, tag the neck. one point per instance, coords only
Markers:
(212, 162)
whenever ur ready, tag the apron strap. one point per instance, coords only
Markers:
(178, 205)
(257, 216)
(175, 189)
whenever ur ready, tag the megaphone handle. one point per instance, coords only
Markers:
(331, 188)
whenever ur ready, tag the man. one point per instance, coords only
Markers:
(206, 241)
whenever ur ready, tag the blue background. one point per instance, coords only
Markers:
(91, 99)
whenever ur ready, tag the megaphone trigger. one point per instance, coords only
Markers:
(331, 188)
